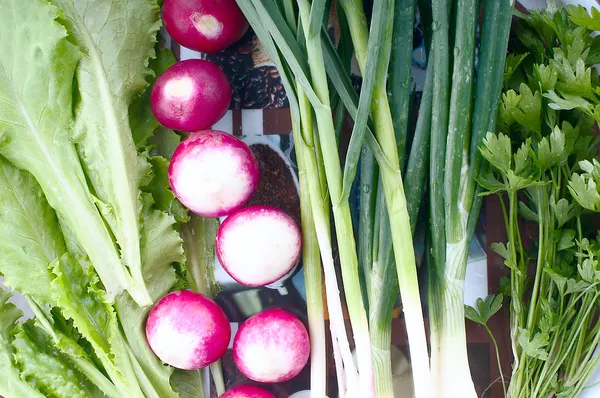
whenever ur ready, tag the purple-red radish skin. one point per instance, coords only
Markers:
(271, 347)
(247, 391)
(213, 173)
(187, 330)
(207, 26)
(258, 245)
(191, 95)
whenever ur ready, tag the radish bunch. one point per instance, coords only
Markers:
(214, 174)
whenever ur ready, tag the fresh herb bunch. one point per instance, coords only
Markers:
(542, 163)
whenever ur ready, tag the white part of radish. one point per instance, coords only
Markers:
(259, 247)
(271, 347)
(269, 362)
(181, 88)
(212, 179)
(177, 347)
(207, 24)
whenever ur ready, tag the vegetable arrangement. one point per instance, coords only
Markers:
(109, 219)
(308, 59)
(91, 233)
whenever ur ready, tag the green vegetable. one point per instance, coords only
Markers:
(484, 311)
(116, 41)
(36, 92)
(543, 163)
(463, 108)
(88, 230)
(277, 37)
(11, 384)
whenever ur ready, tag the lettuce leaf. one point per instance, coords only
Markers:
(29, 234)
(79, 298)
(117, 40)
(188, 384)
(11, 384)
(47, 368)
(36, 88)
(30, 240)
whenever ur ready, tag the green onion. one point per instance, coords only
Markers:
(454, 203)
(394, 195)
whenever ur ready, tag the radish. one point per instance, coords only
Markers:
(191, 95)
(247, 391)
(258, 245)
(187, 330)
(207, 26)
(271, 347)
(213, 173)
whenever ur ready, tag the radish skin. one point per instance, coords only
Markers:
(247, 391)
(187, 330)
(191, 95)
(213, 173)
(258, 245)
(271, 347)
(207, 26)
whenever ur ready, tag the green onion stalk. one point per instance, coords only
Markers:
(313, 280)
(311, 16)
(459, 122)
(375, 239)
(390, 173)
(309, 154)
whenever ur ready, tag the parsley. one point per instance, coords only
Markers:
(542, 163)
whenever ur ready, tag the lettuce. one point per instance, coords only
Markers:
(88, 224)
(36, 89)
(11, 384)
(46, 367)
(117, 40)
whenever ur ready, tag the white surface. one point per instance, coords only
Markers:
(252, 122)
(302, 394)
(476, 278)
(225, 124)
(175, 345)
(18, 300)
(185, 53)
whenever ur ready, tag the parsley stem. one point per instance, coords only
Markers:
(487, 329)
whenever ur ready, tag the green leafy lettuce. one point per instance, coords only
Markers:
(36, 89)
(88, 224)
(117, 40)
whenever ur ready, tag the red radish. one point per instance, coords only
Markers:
(191, 95)
(247, 391)
(258, 245)
(271, 347)
(207, 26)
(187, 330)
(213, 173)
